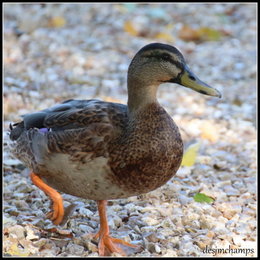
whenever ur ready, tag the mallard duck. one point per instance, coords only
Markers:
(102, 150)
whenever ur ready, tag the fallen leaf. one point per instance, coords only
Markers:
(201, 34)
(237, 101)
(189, 34)
(190, 155)
(57, 233)
(57, 21)
(164, 36)
(129, 28)
(209, 34)
(14, 250)
(201, 197)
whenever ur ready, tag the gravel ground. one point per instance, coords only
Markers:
(54, 52)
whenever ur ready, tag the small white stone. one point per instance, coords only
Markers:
(150, 221)
(157, 248)
(86, 212)
(17, 231)
(117, 221)
(86, 228)
(30, 234)
(75, 250)
(238, 240)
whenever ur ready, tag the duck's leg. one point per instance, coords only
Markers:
(107, 244)
(58, 210)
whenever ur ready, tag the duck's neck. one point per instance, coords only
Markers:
(139, 96)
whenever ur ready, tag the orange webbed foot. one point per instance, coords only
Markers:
(107, 244)
(57, 214)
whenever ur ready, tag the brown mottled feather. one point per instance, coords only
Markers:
(142, 161)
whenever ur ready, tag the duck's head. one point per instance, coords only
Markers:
(158, 63)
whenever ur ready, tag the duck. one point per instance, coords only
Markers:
(103, 151)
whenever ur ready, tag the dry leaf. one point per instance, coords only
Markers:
(201, 34)
(56, 232)
(237, 101)
(209, 34)
(129, 28)
(14, 250)
(190, 155)
(57, 21)
(188, 34)
(164, 36)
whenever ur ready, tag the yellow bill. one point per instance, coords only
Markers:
(190, 80)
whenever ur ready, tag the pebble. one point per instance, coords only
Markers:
(17, 231)
(153, 248)
(31, 235)
(85, 228)
(171, 253)
(91, 247)
(150, 221)
(238, 240)
(85, 212)
(21, 204)
(230, 191)
(75, 250)
(152, 237)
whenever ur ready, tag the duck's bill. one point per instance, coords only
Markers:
(189, 80)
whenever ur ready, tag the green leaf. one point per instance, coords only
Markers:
(209, 34)
(201, 197)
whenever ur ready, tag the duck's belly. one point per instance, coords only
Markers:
(91, 180)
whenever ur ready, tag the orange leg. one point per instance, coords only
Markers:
(107, 244)
(58, 210)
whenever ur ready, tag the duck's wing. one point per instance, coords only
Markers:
(75, 127)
